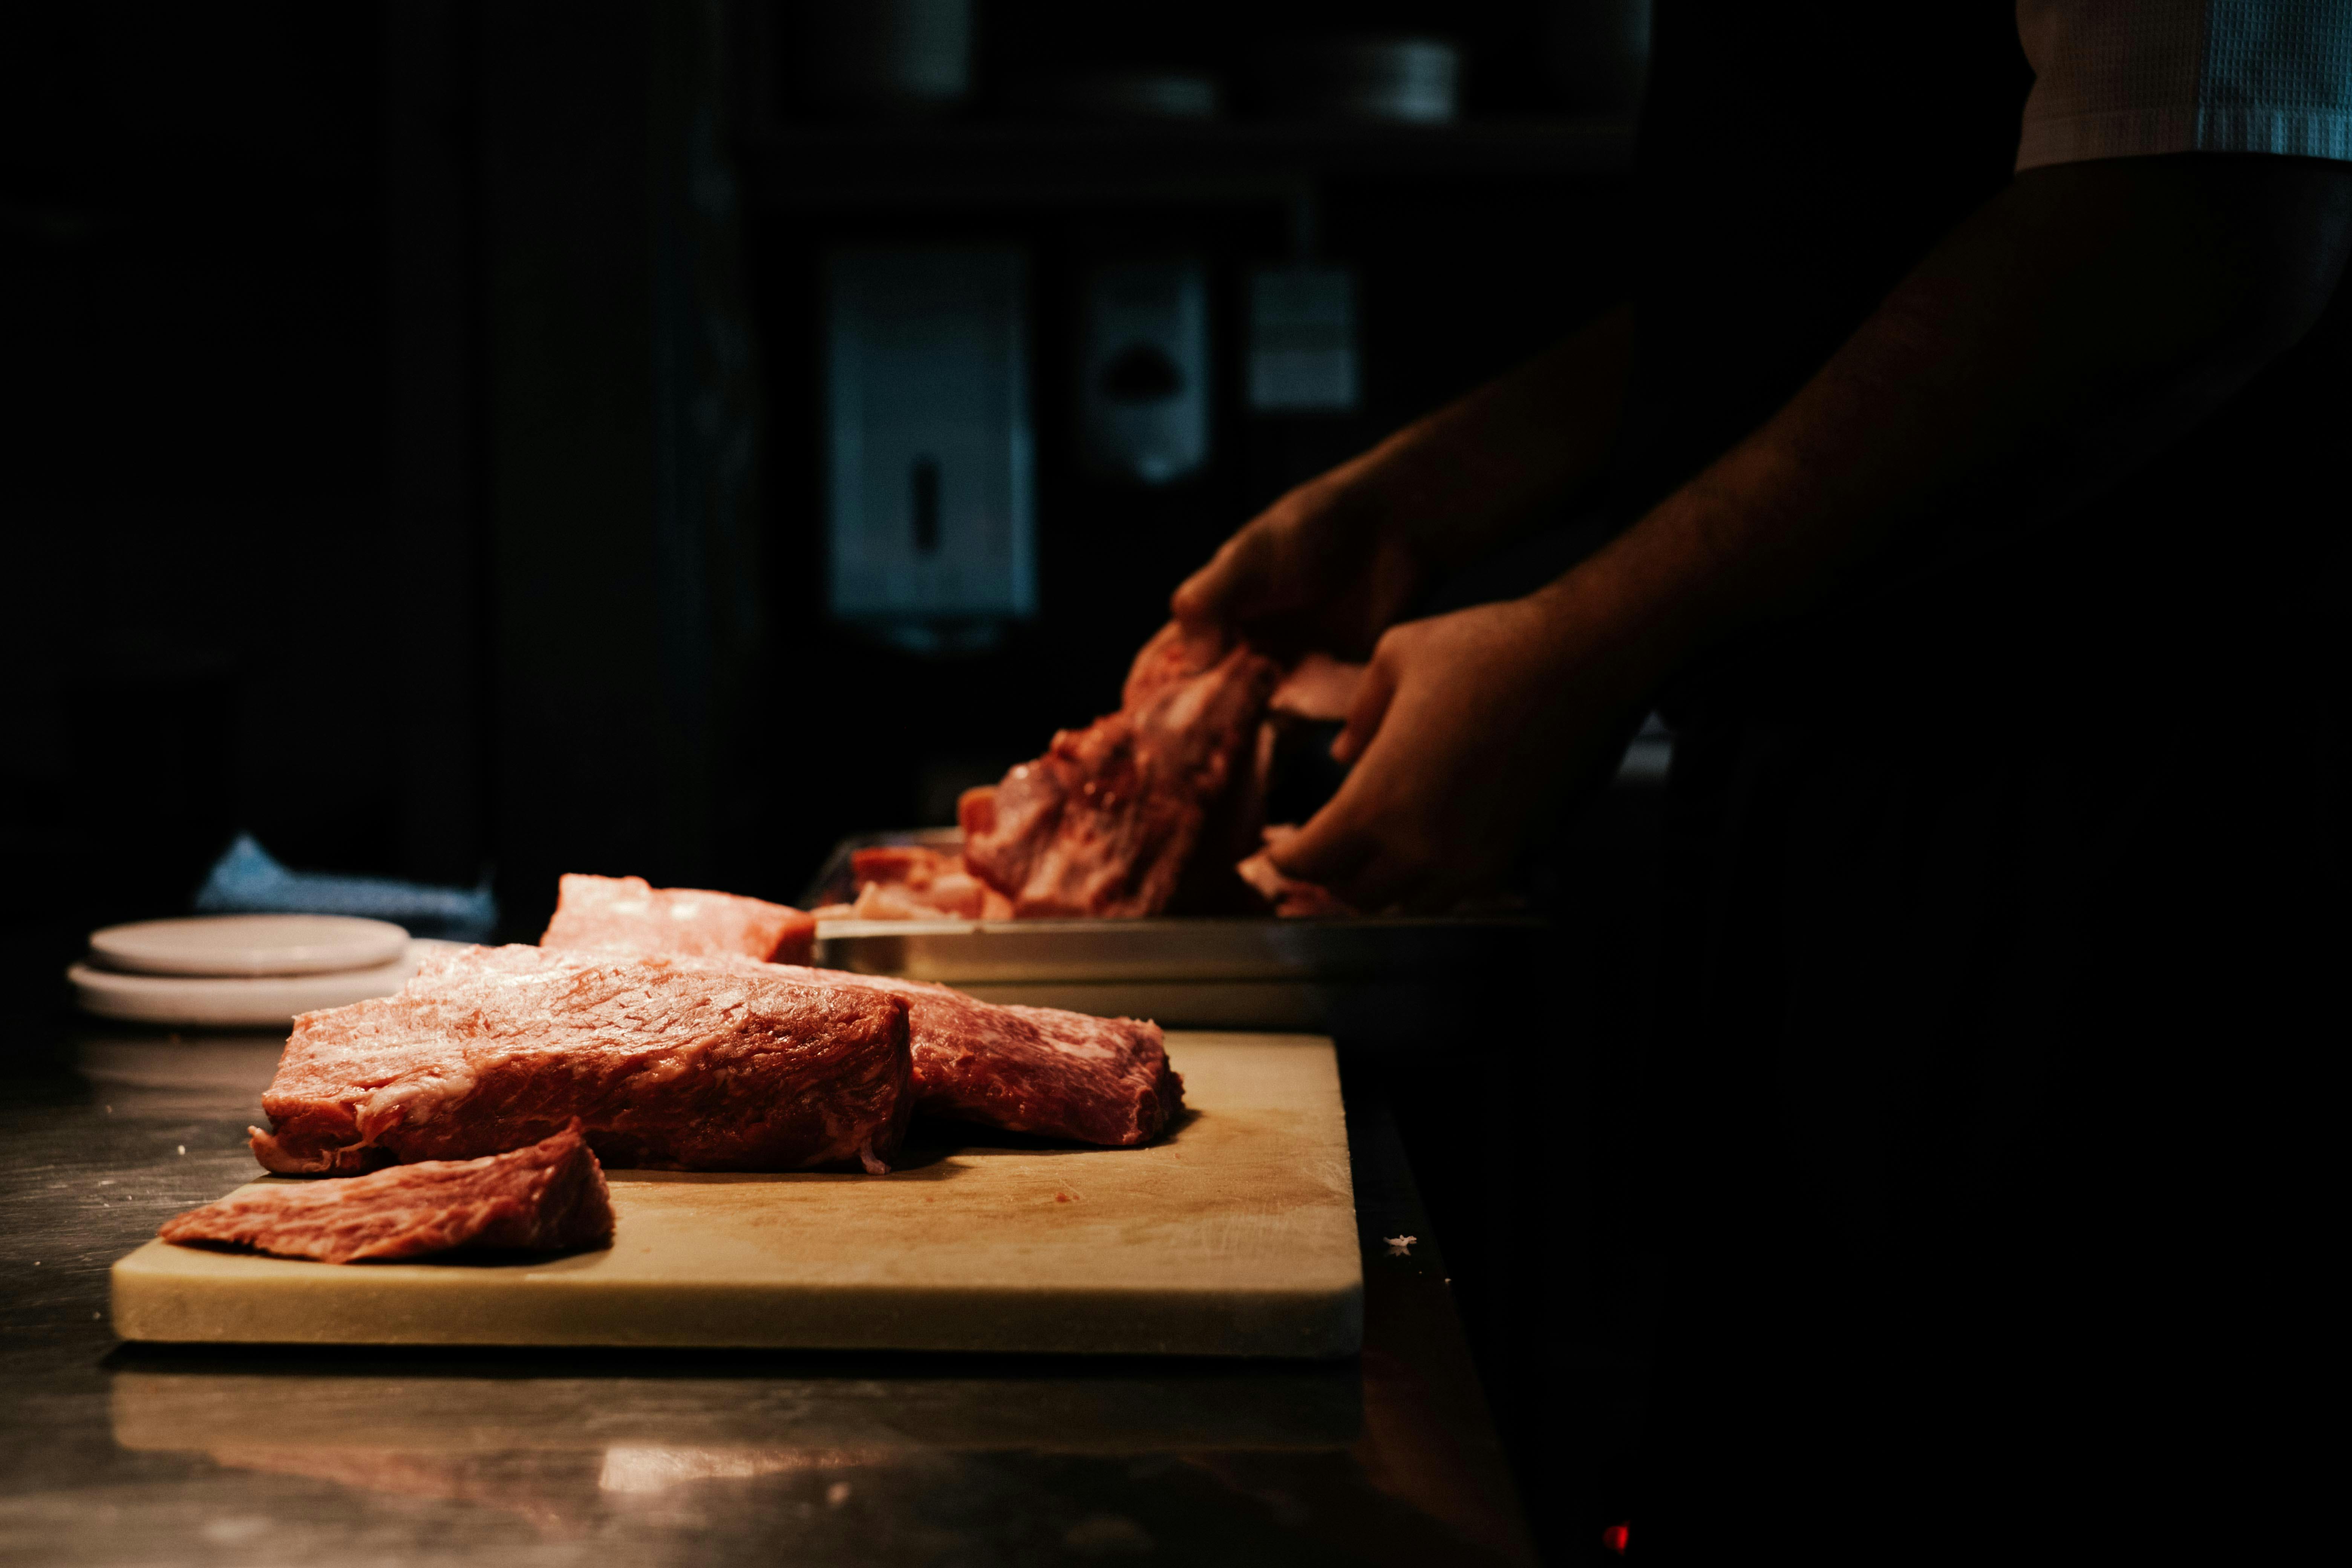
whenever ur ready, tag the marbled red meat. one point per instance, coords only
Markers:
(710, 1064)
(1027, 1069)
(1030, 1069)
(1109, 819)
(611, 913)
(547, 1196)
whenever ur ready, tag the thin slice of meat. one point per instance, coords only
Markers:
(684, 1065)
(1107, 822)
(590, 910)
(548, 1196)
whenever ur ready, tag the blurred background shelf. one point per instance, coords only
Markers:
(992, 165)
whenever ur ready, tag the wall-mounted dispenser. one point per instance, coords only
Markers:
(1143, 370)
(932, 521)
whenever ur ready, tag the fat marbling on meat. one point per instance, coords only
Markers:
(1025, 1069)
(691, 1065)
(546, 1196)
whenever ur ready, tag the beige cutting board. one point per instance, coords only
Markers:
(1234, 1235)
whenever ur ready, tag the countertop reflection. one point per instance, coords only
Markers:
(117, 1453)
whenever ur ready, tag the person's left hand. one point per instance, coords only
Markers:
(1466, 728)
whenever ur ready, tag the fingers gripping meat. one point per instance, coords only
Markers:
(1289, 897)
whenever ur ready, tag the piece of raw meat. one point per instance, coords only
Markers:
(1027, 1069)
(1108, 820)
(915, 865)
(593, 913)
(1030, 1069)
(1176, 653)
(547, 1196)
(913, 881)
(682, 1064)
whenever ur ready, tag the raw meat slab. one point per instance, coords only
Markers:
(688, 1064)
(613, 914)
(1049, 1071)
(1058, 1075)
(1234, 1235)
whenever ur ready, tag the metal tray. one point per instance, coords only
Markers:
(1365, 974)
(959, 952)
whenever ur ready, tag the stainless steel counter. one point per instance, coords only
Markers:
(112, 1453)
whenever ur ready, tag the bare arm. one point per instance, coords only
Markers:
(2072, 325)
(1333, 562)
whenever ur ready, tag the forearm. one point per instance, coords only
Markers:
(2075, 324)
(1458, 480)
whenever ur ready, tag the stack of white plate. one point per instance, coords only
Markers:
(242, 971)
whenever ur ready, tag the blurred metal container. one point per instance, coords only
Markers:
(1401, 81)
(885, 57)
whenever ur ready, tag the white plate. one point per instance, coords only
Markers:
(217, 1002)
(250, 945)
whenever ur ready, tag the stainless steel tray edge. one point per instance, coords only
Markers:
(1077, 951)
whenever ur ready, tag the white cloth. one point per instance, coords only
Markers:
(2119, 79)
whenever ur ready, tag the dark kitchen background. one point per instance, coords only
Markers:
(423, 414)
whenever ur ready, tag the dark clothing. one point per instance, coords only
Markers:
(1990, 1107)
(1794, 162)
(1995, 1122)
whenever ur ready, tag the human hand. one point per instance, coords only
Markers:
(1466, 728)
(1325, 567)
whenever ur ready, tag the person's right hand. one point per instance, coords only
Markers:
(1326, 567)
